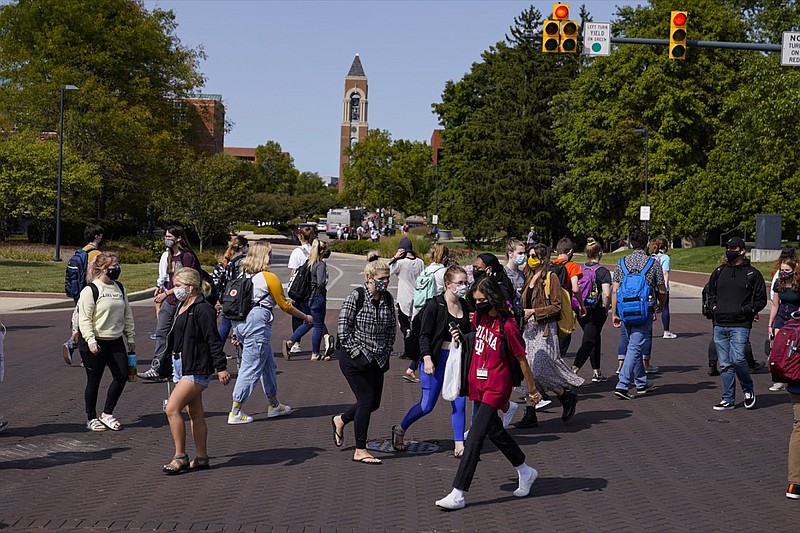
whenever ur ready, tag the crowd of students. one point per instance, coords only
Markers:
(509, 324)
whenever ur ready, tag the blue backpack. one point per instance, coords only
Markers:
(634, 295)
(75, 277)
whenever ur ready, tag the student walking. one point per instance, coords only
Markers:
(78, 275)
(785, 301)
(666, 265)
(226, 270)
(367, 330)
(596, 289)
(255, 336)
(105, 320)
(298, 258)
(196, 350)
(495, 346)
(406, 266)
(439, 315)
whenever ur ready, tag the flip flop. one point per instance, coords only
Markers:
(368, 460)
(338, 438)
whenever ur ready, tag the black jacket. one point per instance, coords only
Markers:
(736, 294)
(202, 348)
(434, 325)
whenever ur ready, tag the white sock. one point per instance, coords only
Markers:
(523, 470)
(457, 494)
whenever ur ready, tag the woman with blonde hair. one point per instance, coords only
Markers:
(255, 335)
(317, 302)
(366, 333)
(104, 318)
(196, 351)
(541, 304)
(597, 303)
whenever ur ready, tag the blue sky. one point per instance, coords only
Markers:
(280, 65)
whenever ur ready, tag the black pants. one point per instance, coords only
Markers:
(366, 382)
(485, 423)
(112, 354)
(563, 344)
(592, 325)
(405, 329)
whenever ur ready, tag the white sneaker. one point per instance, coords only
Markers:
(280, 410)
(525, 484)
(295, 348)
(451, 502)
(669, 335)
(509, 415)
(777, 386)
(466, 434)
(542, 404)
(241, 418)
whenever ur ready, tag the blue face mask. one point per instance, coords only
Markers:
(519, 260)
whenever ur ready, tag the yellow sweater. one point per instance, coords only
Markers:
(106, 319)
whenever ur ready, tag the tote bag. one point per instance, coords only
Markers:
(452, 373)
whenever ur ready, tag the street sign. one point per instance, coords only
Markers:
(790, 51)
(435, 219)
(644, 212)
(597, 39)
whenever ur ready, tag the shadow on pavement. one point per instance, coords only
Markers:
(272, 456)
(60, 458)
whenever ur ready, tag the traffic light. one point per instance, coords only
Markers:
(677, 35)
(569, 36)
(550, 35)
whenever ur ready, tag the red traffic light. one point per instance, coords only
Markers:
(679, 19)
(561, 11)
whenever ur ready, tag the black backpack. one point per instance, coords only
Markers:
(560, 270)
(237, 300)
(300, 288)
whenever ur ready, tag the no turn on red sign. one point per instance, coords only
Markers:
(790, 51)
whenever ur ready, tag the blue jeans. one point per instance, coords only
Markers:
(258, 361)
(730, 343)
(224, 328)
(633, 367)
(431, 389)
(315, 307)
(623, 345)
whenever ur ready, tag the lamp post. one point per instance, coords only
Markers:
(646, 165)
(436, 205)
(64, 88)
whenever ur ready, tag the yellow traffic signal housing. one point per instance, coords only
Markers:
(550, 36)
(568, 42)
(677, 35)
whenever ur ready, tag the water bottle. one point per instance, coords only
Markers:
(131, 366)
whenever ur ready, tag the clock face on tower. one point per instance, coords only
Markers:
(353, 129)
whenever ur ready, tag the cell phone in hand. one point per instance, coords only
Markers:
(453, 325)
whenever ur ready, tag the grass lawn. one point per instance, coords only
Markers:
(702, 259)
(38, 276)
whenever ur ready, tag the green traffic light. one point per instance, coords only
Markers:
(551, 45)
(678, 50)
(568, 45)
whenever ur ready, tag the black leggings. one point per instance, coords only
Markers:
(592, 325)
(112, 354)
(366, 382)
(485, 423)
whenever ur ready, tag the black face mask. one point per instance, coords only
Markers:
(731, 255)
(114, 273)
(478, 274)
(326, 254)
(483, 308)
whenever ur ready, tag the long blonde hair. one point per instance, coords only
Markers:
(258, 257)
(318, 249)
(190, 276)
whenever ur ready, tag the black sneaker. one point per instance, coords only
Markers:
(645, 389)
(624, 394)
(749, 400)
(568, 401)
(759, 368)
(599, 378)
(713, 371)
(793, 491)
(724, 406)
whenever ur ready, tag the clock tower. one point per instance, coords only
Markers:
(354, 114)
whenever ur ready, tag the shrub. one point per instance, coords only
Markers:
(266, 230)
(245, 227)
(353, 247)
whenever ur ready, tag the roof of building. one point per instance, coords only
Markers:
(356, 69)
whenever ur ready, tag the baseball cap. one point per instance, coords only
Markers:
(735, 242)
(405, 244)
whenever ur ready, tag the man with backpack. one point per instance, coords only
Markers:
(75, 280)
(298, 258)
(637, 284)
(736, 293)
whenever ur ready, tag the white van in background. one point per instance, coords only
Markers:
(339, 218)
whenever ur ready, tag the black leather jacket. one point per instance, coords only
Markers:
(202, 348)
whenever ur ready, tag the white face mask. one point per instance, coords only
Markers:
(461, 290)
(181, 293)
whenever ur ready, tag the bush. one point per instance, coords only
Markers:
(266, 230)
(353, 247)
(245, 227)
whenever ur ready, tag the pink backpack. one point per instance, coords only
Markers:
(784, 359)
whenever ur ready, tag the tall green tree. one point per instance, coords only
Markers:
(500, 155)
(28, 178)
(131, 69)
(209, 195)
(276, 169)
(679, 103)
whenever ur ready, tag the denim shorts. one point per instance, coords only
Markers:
(177, 374)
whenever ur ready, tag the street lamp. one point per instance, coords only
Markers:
(436, 205)
(60, 161)
(646, 165)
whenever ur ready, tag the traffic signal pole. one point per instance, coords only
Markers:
(761, 47)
